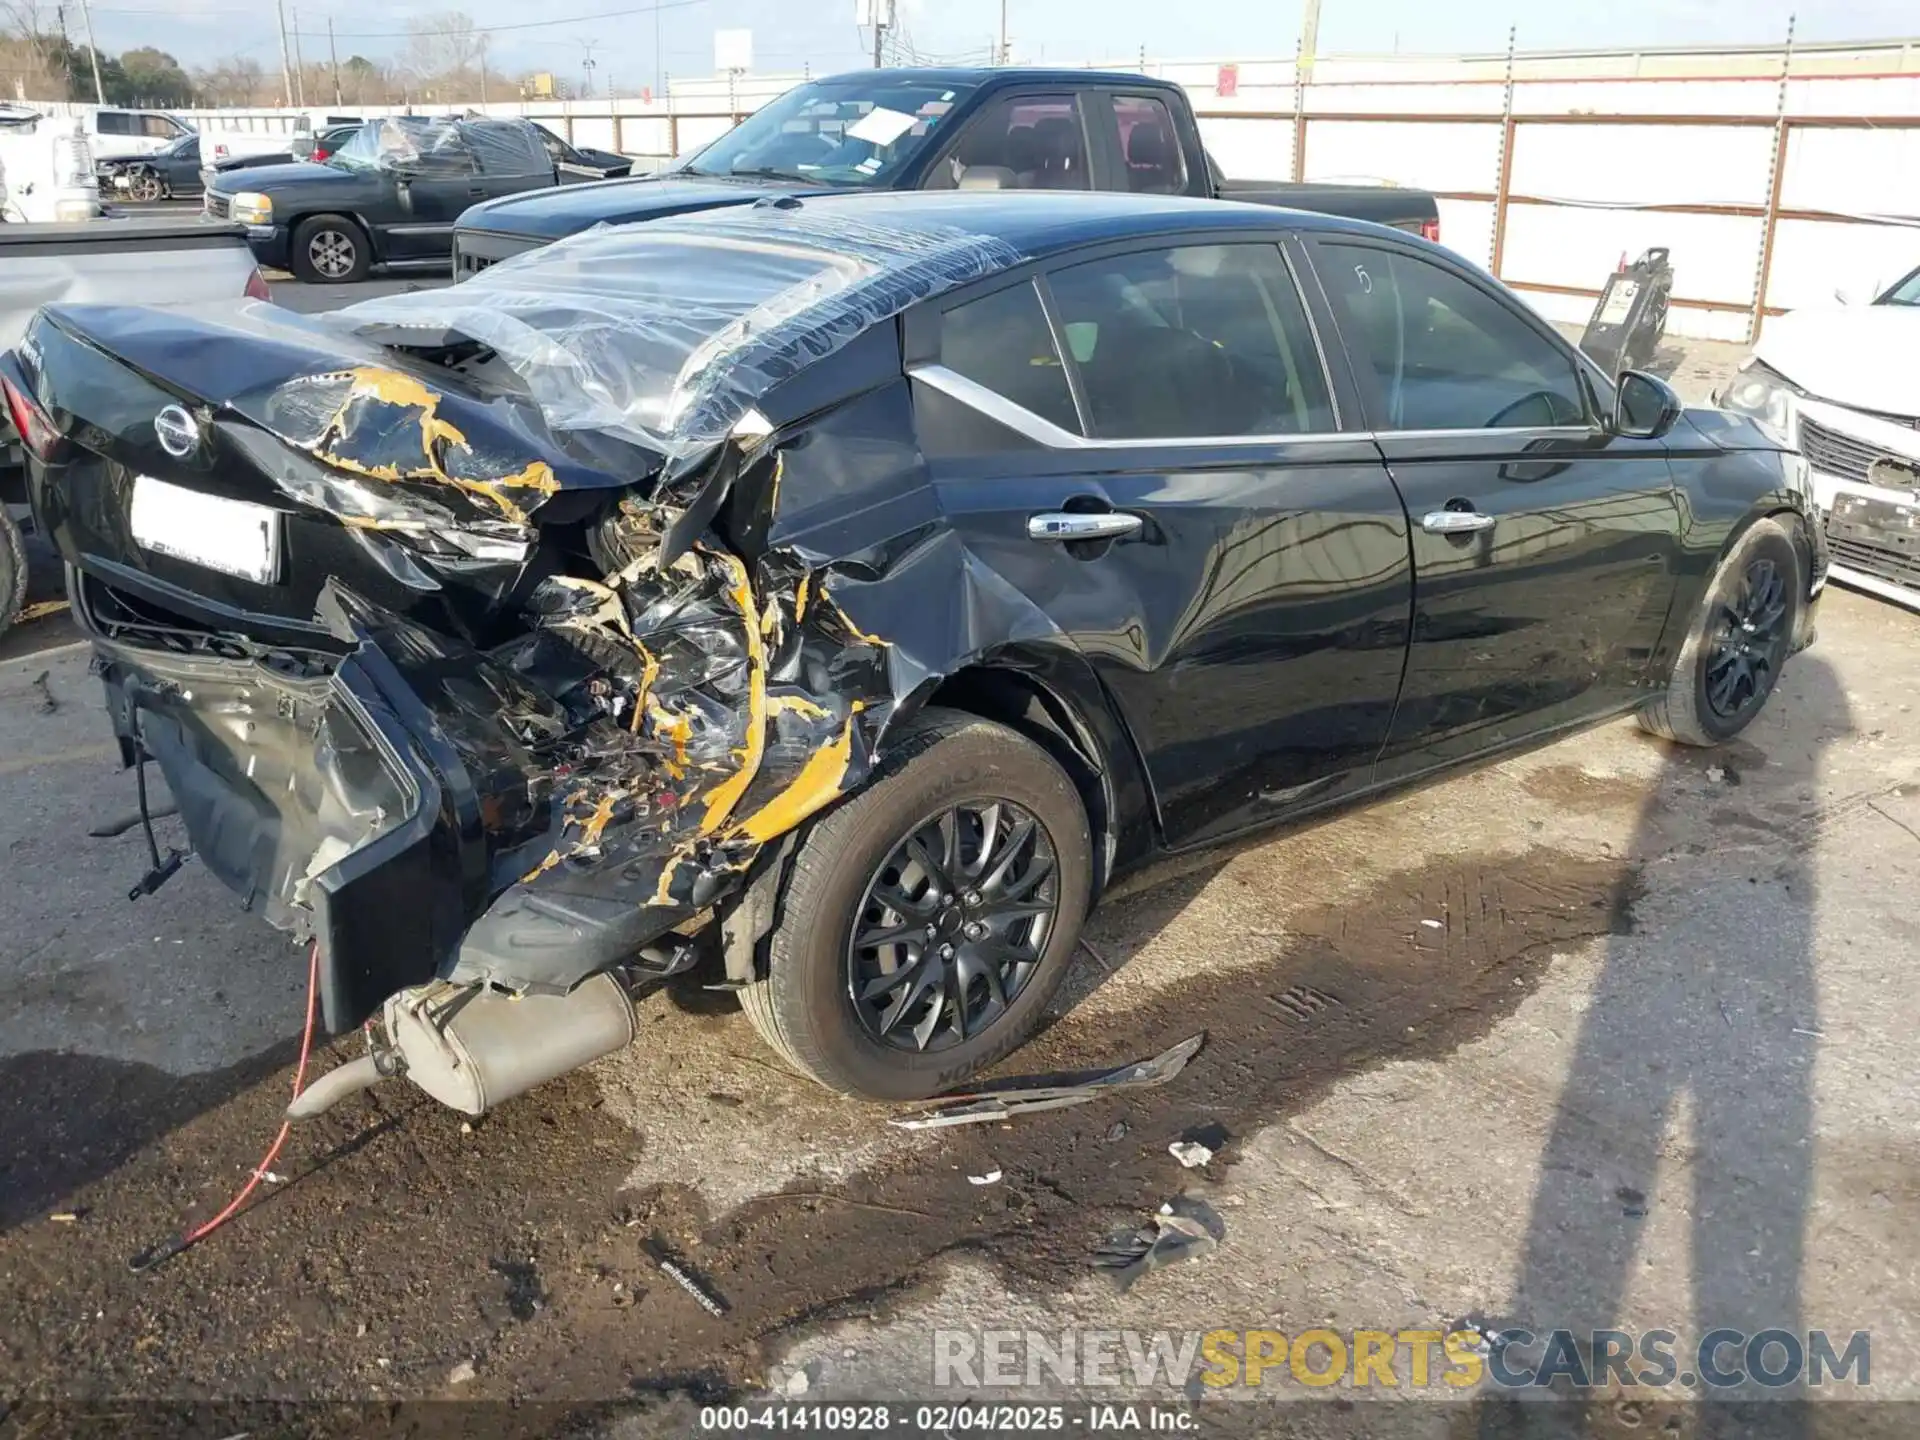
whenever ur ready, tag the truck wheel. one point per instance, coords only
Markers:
(1740, 638)
(927, 922)
(13, 570)
(330, 250)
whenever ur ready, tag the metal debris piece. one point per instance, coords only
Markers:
(47, 703)
(1190, 1154)
(992, 1177)
(1184, 1229)
(67, 1217)
(1022, 1099)
(707, 1301)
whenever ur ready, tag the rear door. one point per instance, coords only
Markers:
(1148, 446)
(1545, 548)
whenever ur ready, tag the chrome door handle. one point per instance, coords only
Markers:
(1455, 522)
(1070, 525)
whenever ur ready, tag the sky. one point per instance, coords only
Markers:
(789, 34)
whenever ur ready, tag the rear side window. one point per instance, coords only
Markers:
(1446, 354)
(1028, 142)
(1200, 341)
(1150, 146)
(114, 122)
(1003, 341)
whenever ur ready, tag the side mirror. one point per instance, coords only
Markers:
(1645, 407)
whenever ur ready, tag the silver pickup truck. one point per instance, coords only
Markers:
(158, 261)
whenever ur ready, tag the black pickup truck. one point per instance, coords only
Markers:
(972, 129)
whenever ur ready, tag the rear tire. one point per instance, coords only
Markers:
(330, 250)
(13, 570)
(1738, 642)
(943, 763)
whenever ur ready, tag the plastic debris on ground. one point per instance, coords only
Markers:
(1190, 1154)
(1026, 1097)
(1184, 1229)
(992, 1177)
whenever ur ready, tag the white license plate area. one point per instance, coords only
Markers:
(231, 536)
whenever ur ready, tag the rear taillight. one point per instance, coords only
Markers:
(257, 286)
(30, 421)
(1430, 230)
(319, 154)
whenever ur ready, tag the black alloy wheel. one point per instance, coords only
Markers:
(952, 925)
(1749, 641)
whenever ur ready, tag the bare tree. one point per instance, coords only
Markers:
(443, 50)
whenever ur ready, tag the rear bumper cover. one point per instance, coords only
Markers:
(312, 799)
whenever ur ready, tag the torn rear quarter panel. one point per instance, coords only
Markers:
(704, 621)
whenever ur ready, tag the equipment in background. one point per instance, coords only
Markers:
(1631, 314)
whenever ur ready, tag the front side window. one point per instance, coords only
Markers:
(1447, 354)
(1201, 341)
(159, 127)
(1150, 146)
(1907, 292)
(1027, 142)
(1002, 341)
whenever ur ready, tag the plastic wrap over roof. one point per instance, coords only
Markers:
(669, 332)
(419, 142)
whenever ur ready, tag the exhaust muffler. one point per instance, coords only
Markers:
(471, 1048)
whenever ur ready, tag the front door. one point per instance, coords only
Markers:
(1545, 548)
(433, 191)
(1147, 448)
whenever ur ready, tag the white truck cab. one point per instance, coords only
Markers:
(131, 132)
(46, 168)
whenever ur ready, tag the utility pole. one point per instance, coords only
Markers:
(286, 58)
(299, 64)
(66, 49)
(880, 28)
(586, 69)
(483, 67)
(333, 55)
(1005, 57)
(659, 56)
(93, 54)
(1309, 39)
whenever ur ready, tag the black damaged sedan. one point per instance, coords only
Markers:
(860, 586)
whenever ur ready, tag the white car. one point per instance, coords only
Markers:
(1844, 383)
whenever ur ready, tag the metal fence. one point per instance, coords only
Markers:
(1770, 175)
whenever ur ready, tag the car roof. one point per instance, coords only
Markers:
(1039, 223)
(983, 74)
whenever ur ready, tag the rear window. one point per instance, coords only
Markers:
(1003, 341)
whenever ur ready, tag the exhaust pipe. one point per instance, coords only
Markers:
(471, 1048)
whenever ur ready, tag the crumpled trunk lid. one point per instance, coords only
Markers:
(422, 487)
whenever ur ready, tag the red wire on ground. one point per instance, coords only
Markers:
(172, 1246)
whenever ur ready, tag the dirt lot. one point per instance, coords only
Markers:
(1599, 1034)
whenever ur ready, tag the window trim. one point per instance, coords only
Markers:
(1594, 388)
